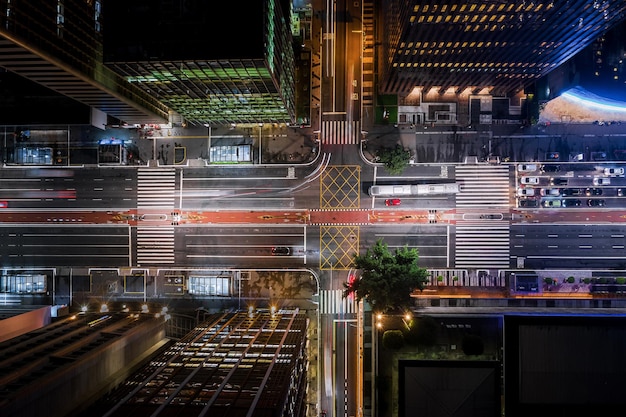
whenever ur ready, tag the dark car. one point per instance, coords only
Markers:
(550, 168)
(281, 250)
(572, 192)
(558, 181)
(528, 203)
(621, 192)
(595, 203)
(552, 156)
(572, 203)
(593, 191)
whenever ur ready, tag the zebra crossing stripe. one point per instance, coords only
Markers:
(341, 132)
(156, 188)
(482, 242)
(333, 302)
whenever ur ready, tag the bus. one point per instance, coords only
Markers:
(419, 190)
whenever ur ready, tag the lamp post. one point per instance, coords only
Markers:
(260, 142)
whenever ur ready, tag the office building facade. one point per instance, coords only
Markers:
(58, 45)
(502, 46)
(209, 73)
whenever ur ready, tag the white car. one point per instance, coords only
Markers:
(613, 172)
(525, 192)
(529, 180)
(527, 167)
(601, 181)
(554, 192)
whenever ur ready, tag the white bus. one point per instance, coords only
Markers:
(414, 190)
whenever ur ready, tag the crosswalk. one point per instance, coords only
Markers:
(482, 231)
(483, 186)
(156, 188)
(155, 245)
(333, 302)
(340, 132)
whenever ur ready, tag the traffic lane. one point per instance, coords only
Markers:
(345, 367)
(242, 246)
(575, 246)
(430, 240)
(200, 192)
(583, 214)
(69, 188)
(70, 245)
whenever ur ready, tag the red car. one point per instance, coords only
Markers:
(392, 202)
(4, 204)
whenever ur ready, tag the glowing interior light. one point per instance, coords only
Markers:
(594, 102)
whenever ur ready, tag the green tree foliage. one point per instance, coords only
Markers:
(387, 279)
(393, 339)
(395, 159)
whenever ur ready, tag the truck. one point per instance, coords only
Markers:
(418, 190)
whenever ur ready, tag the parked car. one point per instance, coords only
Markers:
(528, 203)
(4, 204)
(529, 180)
(527, 167)
(593, 191)
(392, 202)
(281, 250)
(525, 192)
(552, 203)
(554, 192)
(595, 203)
(571, 203)
(558, 181)
(613, 172)
(572, 192)
(601, 181)
(550, 168)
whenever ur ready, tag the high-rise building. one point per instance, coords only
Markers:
(149, 62)
(184, 54)
(58, 44)
(492, 46)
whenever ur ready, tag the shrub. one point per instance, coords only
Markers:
(393, 339)
(586, 280)
(548, 281)
(571, 280)
(620, 280)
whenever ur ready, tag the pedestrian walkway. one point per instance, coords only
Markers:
(340, 132)
(333, 302)
(155, 245)
(156, 188)
(482, 226)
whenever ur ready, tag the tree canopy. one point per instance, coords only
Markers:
(395, 159)
(387, 279)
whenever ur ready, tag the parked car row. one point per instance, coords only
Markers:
(555, 203)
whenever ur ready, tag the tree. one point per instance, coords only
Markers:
(393, 339)
(395, 159)
(387, 280)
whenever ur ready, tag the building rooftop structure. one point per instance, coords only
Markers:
(236, 364)
(59, 46)
(154, 62)
(208, 72)
(493, 47)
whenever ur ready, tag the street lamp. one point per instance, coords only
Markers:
(260, 142)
